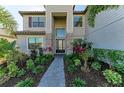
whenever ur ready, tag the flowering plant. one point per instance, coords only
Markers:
(78, 49)
(49, 49)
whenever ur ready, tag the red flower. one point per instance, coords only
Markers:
(78, 49)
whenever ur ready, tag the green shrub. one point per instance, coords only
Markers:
(119, 67)
(28, 82)
(30, 64)
(15, 56)
(38, 69)
(112, 77)
(21, 72)
(49, 56)
(77, 62)
(12, 68)
(67, 56)
(96, 65)
(71, 68)
(2, 72)
(111, 56)
(5, 46)
(37, 61)
(43, 61)
(77, 82)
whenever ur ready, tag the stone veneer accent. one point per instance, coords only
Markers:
(48, 41)
(69, 38)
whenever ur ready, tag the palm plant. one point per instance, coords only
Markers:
(7, 21)
(85, 56)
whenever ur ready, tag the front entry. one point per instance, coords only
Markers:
(60, 46)
(60, 40)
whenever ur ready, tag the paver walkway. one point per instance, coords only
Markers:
(54, 76)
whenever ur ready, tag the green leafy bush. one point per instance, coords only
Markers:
(43, 61)
(5, 46)
(49, 56)
(12, 68)
(38, 69)
(77, 82)
(77, 62)
(119, 67)
(112, 77)
(37, 61)
(96, 65)
(21, 73)
(15, 56)
(2, 72)
(110, 56)
(71, 68)
(30, 64)
(28, 82)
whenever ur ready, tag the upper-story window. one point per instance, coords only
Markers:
(38, 21)
(77, 21)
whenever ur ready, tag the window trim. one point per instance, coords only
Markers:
(30, 22)
(74, 21)
(34, 37)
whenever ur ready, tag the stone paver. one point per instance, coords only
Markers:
(54, 76)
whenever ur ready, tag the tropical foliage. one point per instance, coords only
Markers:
(12, 68)
(96, 65)
(77, 82)
(112, 77)
(5, 46)
(28, 82)
(93, 10)
(7, 21)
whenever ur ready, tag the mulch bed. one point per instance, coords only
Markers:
(92, 78)
(37, 77)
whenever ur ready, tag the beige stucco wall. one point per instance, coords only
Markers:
(26, 24)
(22, 42)
(54, 9)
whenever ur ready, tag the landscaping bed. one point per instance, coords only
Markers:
(92, 78)
(20, 69)
(37, 77)
(93, 67)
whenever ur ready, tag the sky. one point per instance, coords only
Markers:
(13, 9)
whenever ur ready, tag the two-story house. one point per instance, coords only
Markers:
(55, 28)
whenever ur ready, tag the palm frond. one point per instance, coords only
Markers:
(7, 21)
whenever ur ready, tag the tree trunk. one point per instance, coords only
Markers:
(85, 65)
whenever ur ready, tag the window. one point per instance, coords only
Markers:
(35, 42)
(60, 32)
(36, 21)
(77, 21)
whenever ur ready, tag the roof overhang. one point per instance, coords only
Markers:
(31, 13)
(30, 33)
